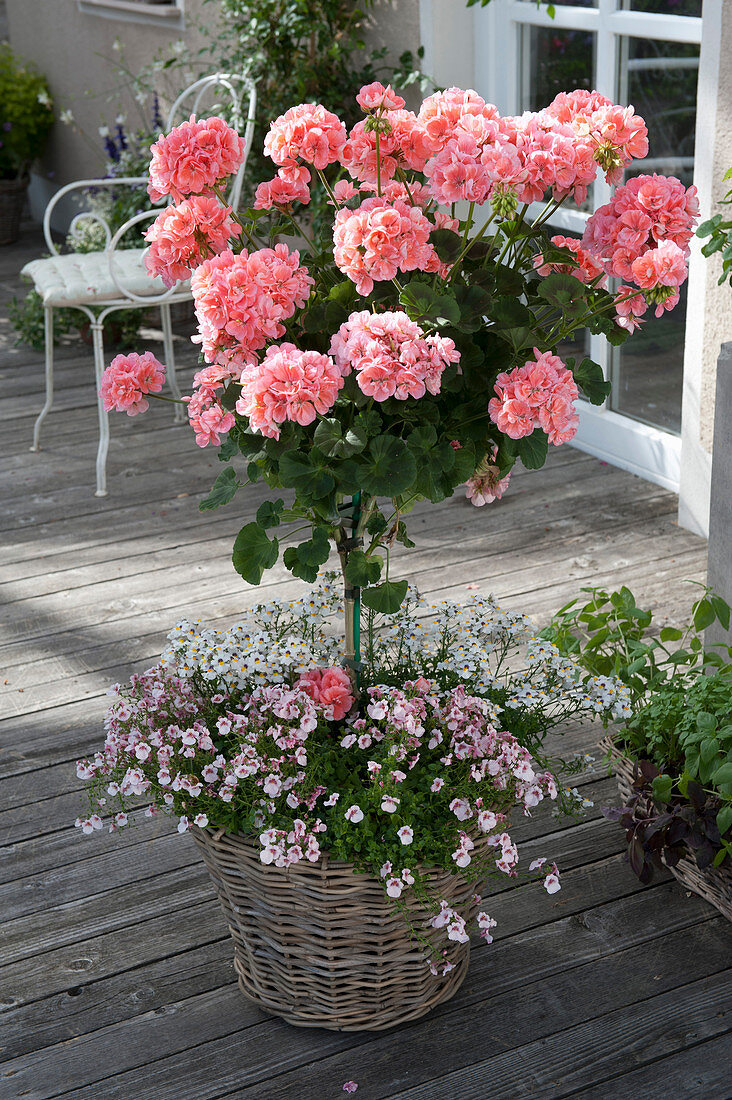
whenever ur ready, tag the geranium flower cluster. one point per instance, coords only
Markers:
(242, 300)
(391, 355)
(288, 384)
(381, 238)
(128, 379)
(181, 237)
(642, 235)
(539, 394)
(255, 724)
(193, 158)
(587, 268)
(486, 484)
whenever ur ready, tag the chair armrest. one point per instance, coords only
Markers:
(82, 185)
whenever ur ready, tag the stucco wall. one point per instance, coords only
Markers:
(75, 51)
(709, 316)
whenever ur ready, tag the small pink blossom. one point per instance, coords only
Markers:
(552, 883)
(375, 96)
(354, 814)
(350, 1086)
(405, 834)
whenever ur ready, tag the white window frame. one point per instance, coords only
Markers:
(167, 13)
(648, 451)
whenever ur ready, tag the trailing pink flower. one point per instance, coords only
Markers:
(307, 132)
(127, 379)
(288, 384)
(193, 158)
(541, 393)
(182, 236)
(391, 355)
(242, 300)
(208, 418)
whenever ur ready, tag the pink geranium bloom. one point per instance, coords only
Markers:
(127, 379)
(307, 132)
(288, 384)
(182, 236)
(541, 393)
(373, 96)
(193, 158)
(331, 688)
(290, 185)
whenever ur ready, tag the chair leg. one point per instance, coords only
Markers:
(98, 340)
(180, 410)
(48, 341)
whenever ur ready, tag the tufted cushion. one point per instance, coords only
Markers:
(84, 278)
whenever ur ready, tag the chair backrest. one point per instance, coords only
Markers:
(228, 95)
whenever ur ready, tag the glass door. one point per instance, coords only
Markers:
(644, 52)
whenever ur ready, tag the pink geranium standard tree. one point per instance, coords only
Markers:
(411, 346)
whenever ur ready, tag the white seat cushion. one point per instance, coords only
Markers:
(84, 277)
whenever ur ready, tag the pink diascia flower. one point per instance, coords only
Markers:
(241, 301)
(288, 384)
(127, 379)
(354, 814)
(391, 355)
(373, 96)
(539, 394)
(405, 834)
(182, 236)
(381, 238)
(307, 132)
(350, 1086)
(331, 688)
(193, 158)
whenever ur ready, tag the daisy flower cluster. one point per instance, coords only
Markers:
(257, 728)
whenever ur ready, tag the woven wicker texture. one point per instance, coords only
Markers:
(714, 884)
(12, 201)
(321, 946)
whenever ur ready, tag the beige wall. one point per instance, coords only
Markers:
(709, 316)
(74, 50)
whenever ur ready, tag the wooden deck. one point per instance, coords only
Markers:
(116, 979)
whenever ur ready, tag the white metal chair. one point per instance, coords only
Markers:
(100, 283)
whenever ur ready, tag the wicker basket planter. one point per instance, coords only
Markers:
(321, 946)
(714, 884)
(12, 201)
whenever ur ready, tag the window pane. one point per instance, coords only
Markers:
(648, 370)
(663, 7)
(660, 80)
(553, 61)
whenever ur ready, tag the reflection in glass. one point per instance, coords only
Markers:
(648, 370)
(554, 61)
(663, 7)
(659, 79)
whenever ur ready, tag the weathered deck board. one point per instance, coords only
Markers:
(115, 966)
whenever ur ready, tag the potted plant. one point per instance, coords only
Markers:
(27, 118)
(356, 379)
(673, 755)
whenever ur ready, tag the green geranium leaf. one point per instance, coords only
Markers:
(362, 570)
(510, 313)
(385, 598)
(329, 438)
(254, 552)
(389, 467)
(222, 490)
(228, 448)
(564, 292)
(447, 244)
(304, 560)
(269, 514)
(532, 449)
(297, 471)
(589, 377)
(230, 396)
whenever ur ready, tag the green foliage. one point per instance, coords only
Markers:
(26, 113)
(719, 230)
(680, 724)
